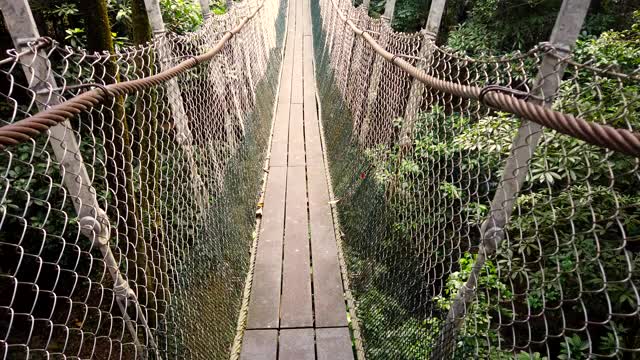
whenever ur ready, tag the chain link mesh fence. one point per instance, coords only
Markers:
(415, 171)
(125, 231)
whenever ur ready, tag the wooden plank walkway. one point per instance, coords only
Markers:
(297, 308)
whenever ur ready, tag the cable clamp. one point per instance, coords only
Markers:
(505, 90)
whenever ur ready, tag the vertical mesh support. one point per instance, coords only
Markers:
(563, 282)
(178, 185)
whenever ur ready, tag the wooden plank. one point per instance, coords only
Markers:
(259, 345)
(265, 293)
(284, 95)
(311, 125)
(330, 308)
(295, 308)
(296, 136)
(280, 140)
(297, 94)
(313, 144)
(291, 25)
(296, 344)
(309, 76)
(307, 18)
(334, 344)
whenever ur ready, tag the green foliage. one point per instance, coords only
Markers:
(181, 16)
(409, 339)
(218, 7)
(62, 19)
(619, 50)
(410, 15)
(573, 347)
(501, 26)
(376, 8)
(473, 38)
(76, 37)
(119, 41)
(120, 13)
(476, 338)
(63, 10)
(564, 241)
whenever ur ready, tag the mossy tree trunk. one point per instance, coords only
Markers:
(141, 28)
(97, 25)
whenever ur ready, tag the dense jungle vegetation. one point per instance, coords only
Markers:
(563, 245)
(501, 26)
(125, 21)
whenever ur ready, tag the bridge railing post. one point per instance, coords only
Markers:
(206, 11)
(374, 83)
(563, 38)
(430, 33)
(93, 220)
(389, 10)
(346, 54)
(240, 56)
(332, 34)
(184, 137)
(376, 73)
(340, 51)
(366, 4)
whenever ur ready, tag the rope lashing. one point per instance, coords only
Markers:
(503, 89)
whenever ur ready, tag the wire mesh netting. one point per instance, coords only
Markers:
(424, 183)
(125, 231)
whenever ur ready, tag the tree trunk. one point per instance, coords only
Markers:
(97, 25)
(141, 27)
